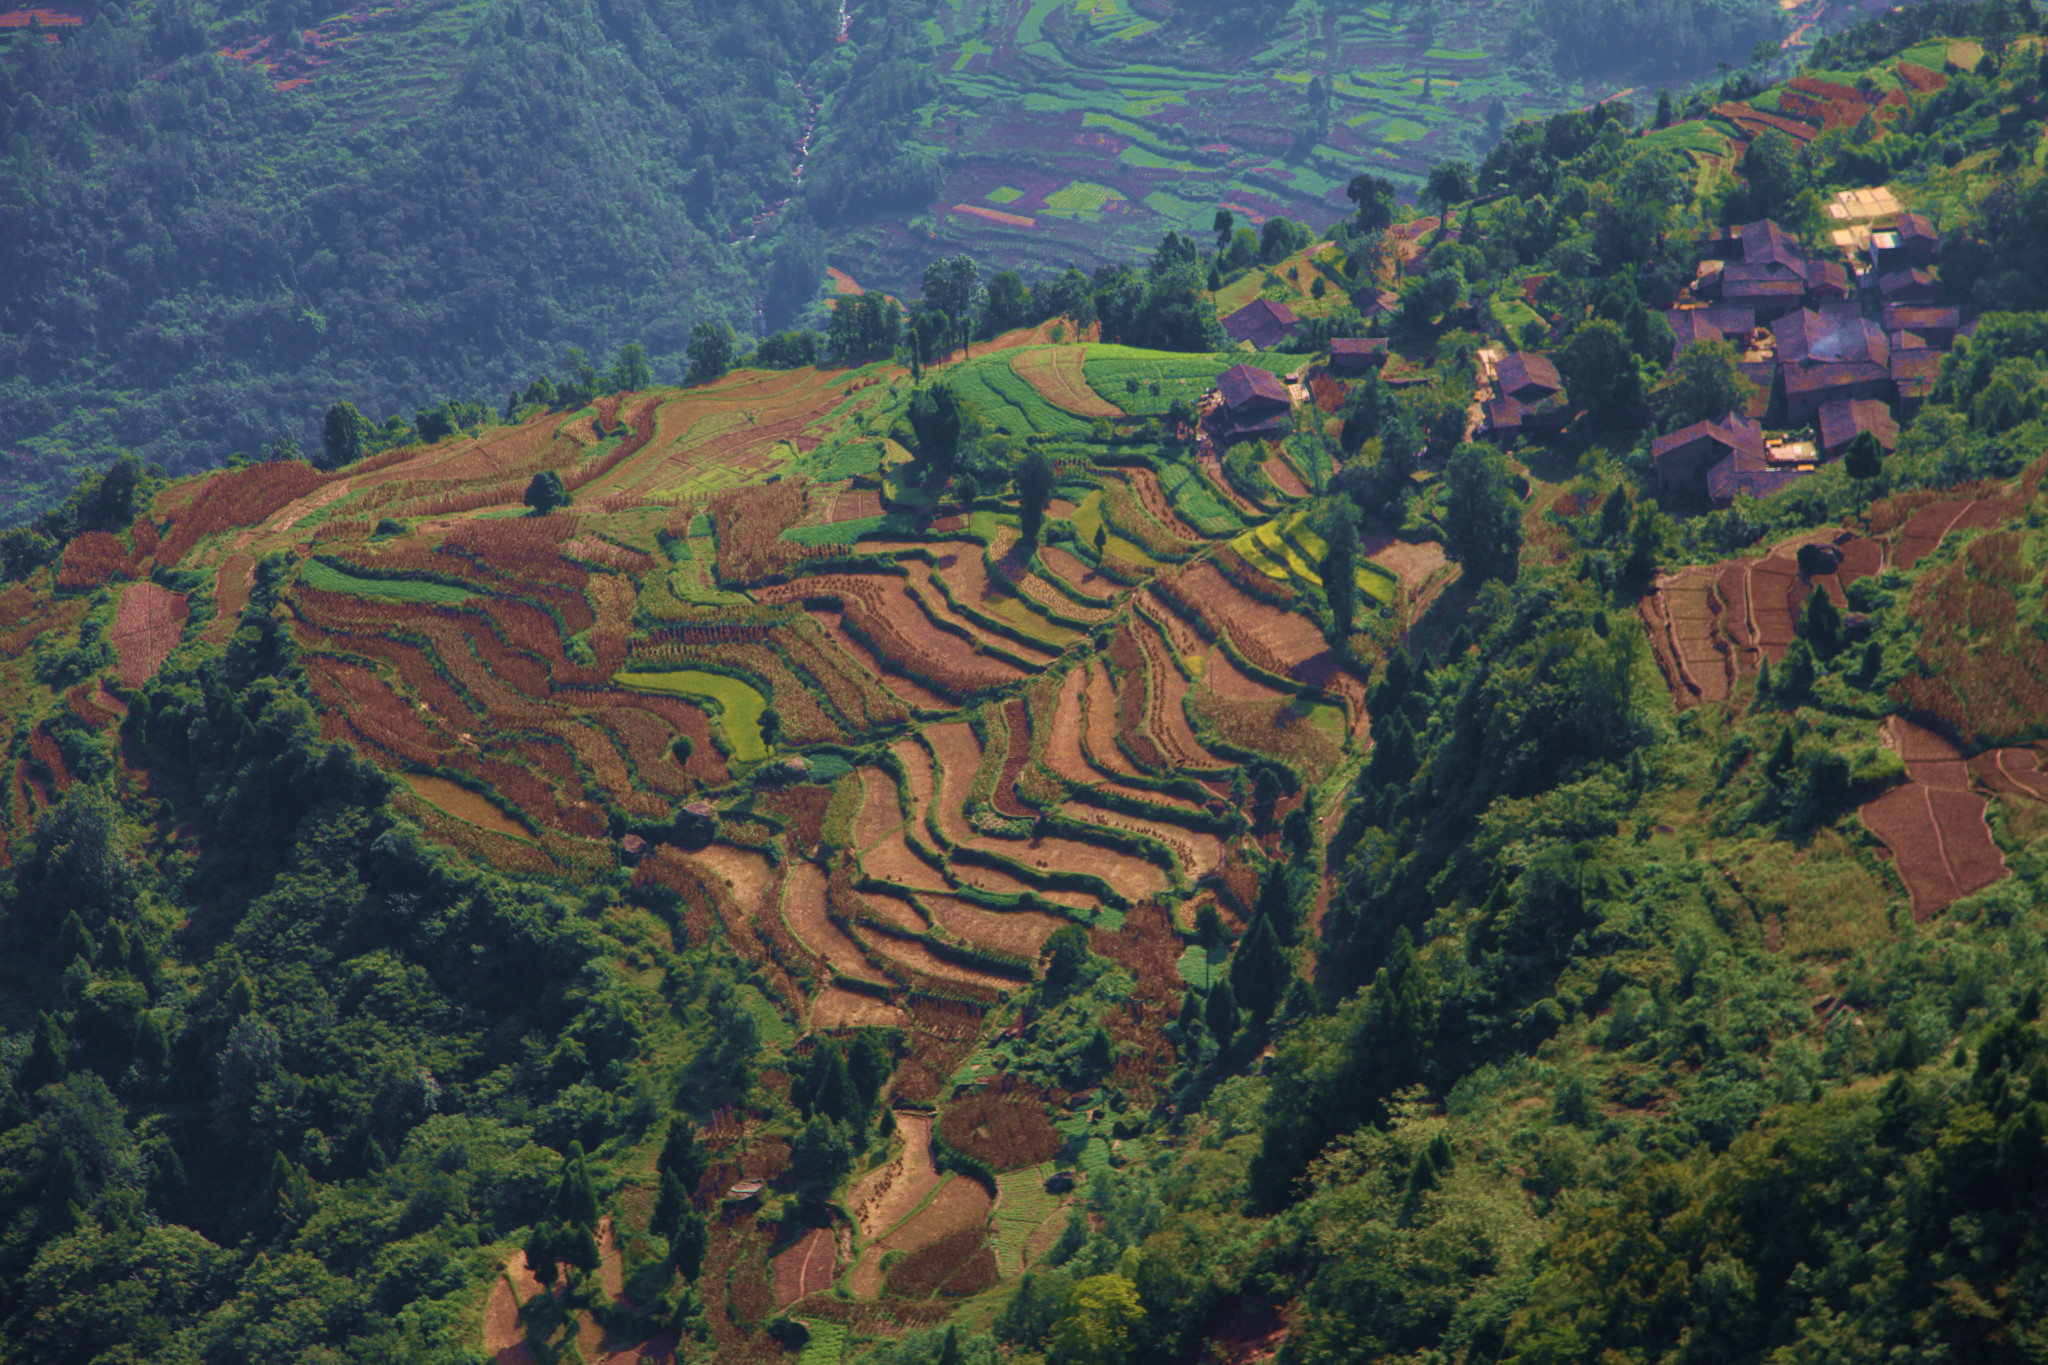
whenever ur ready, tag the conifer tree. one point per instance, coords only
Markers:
(1221, 1013)
(1258, 973)
(686, 1248)
(47, 1055)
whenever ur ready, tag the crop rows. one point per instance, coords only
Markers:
(239, 497)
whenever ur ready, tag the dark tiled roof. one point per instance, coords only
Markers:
(1756, 292)
(1915, 372)
(1807, 380)
(1807, 337)
(1829, 279)
(1732, 319)
(1377, 302)
(1913, 226)
(1248, 385)
(1743, 473)
(1528, 376)
(1358, 347)
(1503, 414)
(1262, 322)
(1766, 243)
(1905, 285)
(1690, 326)
(1911, 318)
(1840, 422)
(1731, 432)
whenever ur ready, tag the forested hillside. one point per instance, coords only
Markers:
(1501, 816)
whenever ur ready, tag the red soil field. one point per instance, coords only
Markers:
(880, 811)
(1004, 1125)
(146, 629)
(1056, 373)
(1284, 478)
(1004, 798)
(806, 1268)
(966, 576)
(1062, 752)
(1934, 825)
(803, 906)
(1022, 932)
(241, 497)
(2012, 771)
(1078, 573)
(1680, 617)
(890, 909)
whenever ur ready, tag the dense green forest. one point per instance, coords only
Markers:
(545, 876)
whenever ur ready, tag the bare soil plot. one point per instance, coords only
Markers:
(1055, 372)
(1167, 694)
(916, 956)
(1924, 531)
(886, 1196)
(880, 811)
(803, 908)
(1930, 760)
(1680, 615)
(1079, 574)
(959, 754)
(1223, 678)
(806, 1267)
(746, 873)
(146, 629)
(231, 584)
(839, 1008)
(2013, 770)
(895, 910)
(1199, 851)
(968, 578)
(959, 1206)
(1022, 932)
(1099, 734)
(908, 690)
(1062, 754)
(459, 801)
(891, 859)
(1284, 478)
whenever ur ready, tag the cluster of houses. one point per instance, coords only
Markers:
(1837, 353)
(1837, 350)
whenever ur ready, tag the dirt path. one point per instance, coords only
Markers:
(885, 1196)
(806, 1268)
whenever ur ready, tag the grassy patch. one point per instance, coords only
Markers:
(318, 573)
(739, 706)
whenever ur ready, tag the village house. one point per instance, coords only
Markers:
(1906, 287)
(1251, 405)
(1528, 378)
(1825, 357)
(1714, 461)
(1353, 356)
(1263, 323)
(1914, 327)
(1841, 422)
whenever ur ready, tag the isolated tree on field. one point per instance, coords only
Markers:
(710, 351)
(1705, 386)
(1665, 113)
(344, 435)
(952, 284)
(1864, 459)
(575, 1195)
(1496, 120)
(1224, 224)
(935, 420)
(543, 1251)
(1265, 796)
(1036, 482)
(1482, 516)
(546, 493)
(1449, 183)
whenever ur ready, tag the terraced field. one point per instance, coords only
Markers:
(1084, 132)
(884, 765)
